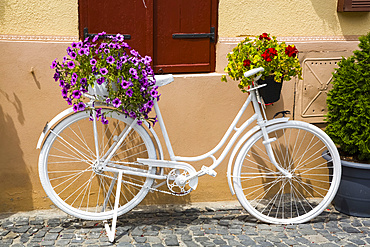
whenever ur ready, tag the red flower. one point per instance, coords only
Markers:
(290, 50)
(247, 63)
(269, 54)
(264, 36)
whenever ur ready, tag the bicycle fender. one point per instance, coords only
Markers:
(50, 124)
(242, 140)
(69, 111)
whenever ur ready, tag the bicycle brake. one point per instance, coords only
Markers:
(282, 113)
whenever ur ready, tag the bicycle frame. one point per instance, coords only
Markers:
(258, 116)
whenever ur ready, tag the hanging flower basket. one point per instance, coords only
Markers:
(279, 60)
(109, 69)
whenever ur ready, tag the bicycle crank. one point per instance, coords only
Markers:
(177, 182)
(177, 177)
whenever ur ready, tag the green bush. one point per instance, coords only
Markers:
(348, 103)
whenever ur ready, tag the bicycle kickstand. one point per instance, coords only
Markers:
(111, 232)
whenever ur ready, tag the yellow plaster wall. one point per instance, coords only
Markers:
(236, 18)
(288, 18)
(39, 17)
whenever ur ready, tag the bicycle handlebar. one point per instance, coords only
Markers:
(253, 71)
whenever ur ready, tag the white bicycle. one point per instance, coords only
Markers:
(276, 169)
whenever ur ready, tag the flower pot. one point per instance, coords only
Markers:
(353, 196)
(271, 92)
(99, 90)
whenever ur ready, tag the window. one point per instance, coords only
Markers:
(353, 5)
(180, 35)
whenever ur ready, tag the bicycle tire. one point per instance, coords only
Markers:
(67, 176)
(272, 197)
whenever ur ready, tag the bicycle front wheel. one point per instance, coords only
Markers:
(72, 182)
(273, 197)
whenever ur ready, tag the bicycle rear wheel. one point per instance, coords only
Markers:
(66, 166)
(273, 197)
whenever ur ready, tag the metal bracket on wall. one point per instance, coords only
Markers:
(210, 35)
(90, 35)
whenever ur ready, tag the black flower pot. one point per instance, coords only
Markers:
(353, 196)
(271, 92)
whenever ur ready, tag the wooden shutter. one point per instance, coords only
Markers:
(124, 17)
(353, 5)
(180, 35)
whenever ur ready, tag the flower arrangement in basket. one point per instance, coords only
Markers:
(279, 60)
(107, 62)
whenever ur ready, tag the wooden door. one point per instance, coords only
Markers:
(180, 35)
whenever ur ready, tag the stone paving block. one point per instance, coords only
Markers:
(171, 240)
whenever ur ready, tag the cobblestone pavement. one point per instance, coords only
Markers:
(180, 226)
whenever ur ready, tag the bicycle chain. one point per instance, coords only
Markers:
(149, 188)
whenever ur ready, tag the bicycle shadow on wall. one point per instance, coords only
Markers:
(15, 184)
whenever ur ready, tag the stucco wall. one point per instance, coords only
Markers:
(39, 17)
(236, 18)
(288, 18)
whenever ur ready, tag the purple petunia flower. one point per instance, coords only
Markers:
(147, 60)
(134, 53)
(129, 93)
(139, 122)
(81, 106)
(76, 94)
(74, 45)
(124, 84)
(153, 93)
(75, 108)
(96, 37)
(73, 81)
(83, 90)
(132, 71)
(116, 102)
(104, 120)
(53, 64)
(56, 76)
(120, 37)
(73, 55)
(69, 101)
(110, 60)
(100, 80)
(64, 93)
(106, 51)
(81, 52)
(124, 59)
(83, 81)
(67, 86)
(71, 64)
(64, 59)
(92, 61)
(61, 83)
(150, 104)
(103, 71)
(132, 114)
(74, 75)
(119, 65)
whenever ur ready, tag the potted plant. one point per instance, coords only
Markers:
(348, 124)
(110, 70)
(279, 60)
